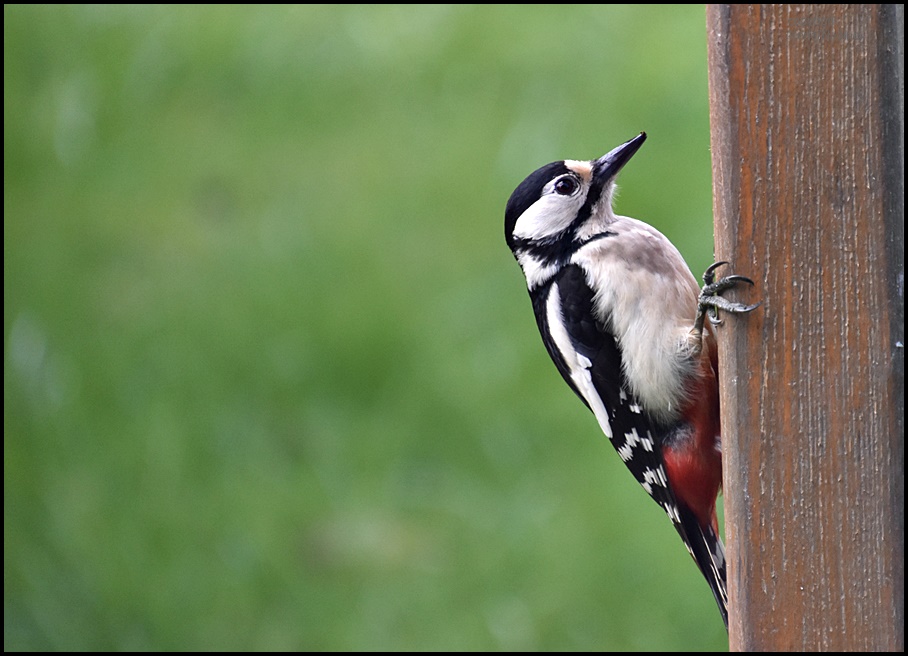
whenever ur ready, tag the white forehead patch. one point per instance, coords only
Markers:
(584, 170)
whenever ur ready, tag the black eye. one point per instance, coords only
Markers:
(565, 186)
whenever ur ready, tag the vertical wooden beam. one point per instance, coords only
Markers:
(807, 112)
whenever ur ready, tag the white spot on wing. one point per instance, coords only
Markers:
(655, 476)
(673, 514)
(626, 452)
(649, 476)
(632, 437)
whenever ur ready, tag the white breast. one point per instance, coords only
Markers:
(648, 297)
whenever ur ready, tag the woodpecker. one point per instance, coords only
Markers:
(622, 317)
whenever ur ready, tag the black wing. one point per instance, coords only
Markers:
(636, 436)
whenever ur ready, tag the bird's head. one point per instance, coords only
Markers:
(562, 205)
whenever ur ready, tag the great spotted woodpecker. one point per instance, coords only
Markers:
(622, 317)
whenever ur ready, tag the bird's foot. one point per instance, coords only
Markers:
(710, 300)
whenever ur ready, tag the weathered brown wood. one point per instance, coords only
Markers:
(807, 112)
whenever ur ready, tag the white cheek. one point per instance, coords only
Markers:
(547, 217)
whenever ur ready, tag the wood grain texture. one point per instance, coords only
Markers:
(807, 113)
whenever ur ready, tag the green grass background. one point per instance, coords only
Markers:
(271, 375)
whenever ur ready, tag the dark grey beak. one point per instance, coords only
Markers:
(606, 167)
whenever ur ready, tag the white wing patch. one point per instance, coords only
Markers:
(579, 365)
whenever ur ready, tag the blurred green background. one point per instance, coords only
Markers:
(271, 375)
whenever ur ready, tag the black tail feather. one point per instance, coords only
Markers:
(708, 551)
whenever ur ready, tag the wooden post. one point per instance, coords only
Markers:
(807, 112)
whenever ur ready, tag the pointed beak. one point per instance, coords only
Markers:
(607, 167)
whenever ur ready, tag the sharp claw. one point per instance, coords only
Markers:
(708, 276)
(711, 301)
(736, 278)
